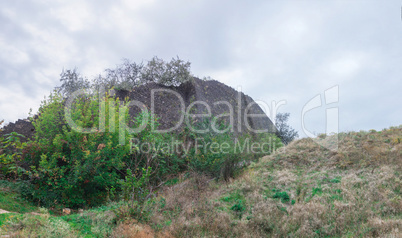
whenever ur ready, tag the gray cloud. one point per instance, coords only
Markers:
(274, 50)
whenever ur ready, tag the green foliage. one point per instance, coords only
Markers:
(98, 222)
(239, 208)
(222, 155)
(285, 132)
(316, 191)
(51, 120)
(11, 200)
(71, 82)
(125, 76)
(335, 180)
(10, 155)
(209, 156)
(128, 75)
(151, 149)
(87, 151)
(283, 196)
(135, 189)
(73, 168)
(171, 73)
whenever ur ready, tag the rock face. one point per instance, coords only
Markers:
(23, 127)
(173, 105)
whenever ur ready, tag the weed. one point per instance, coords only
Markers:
(283, 196)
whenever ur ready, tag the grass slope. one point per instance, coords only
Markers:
(11, 201)
(303, 190)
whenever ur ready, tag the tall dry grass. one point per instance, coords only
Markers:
(303, 190)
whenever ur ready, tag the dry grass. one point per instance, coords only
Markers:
(131, 229)
(304, 190)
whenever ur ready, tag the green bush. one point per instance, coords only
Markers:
(222, 155)
(67, 165)
(283, 196)
(211, 153)
(10, 155)
(73, 168)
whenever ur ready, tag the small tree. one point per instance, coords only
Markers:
(171, 73)
(124, 76)
(285, 132)
(71, 82)
(127, 76)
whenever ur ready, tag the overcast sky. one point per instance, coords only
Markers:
(274, 50)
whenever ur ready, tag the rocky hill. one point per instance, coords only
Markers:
(171, 104)
(22, 126)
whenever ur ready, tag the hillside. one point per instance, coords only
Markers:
(170, 103)
(302, 190)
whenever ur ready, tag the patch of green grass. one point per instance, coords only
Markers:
(283, 196)
(238, 206)
(316, 191)
(11, 201)
(236, 203)
(335, 180)
(172, 181)
(232, 197)
(97, 222)
(6, 216)
(30, 225)
(80, 223)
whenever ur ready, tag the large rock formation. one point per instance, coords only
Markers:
(23, 127)
(173, 105)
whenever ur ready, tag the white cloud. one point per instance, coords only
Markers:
(13, 55)
(275, 50)
(74, 15)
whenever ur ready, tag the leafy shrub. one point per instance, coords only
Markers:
(10, 155)
(285, 132)
(69, 166)
(135, 189)
(74, 168)
(207, 154)
(283, 196)
(222, 155)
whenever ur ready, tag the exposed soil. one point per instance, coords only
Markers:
(3, 211)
